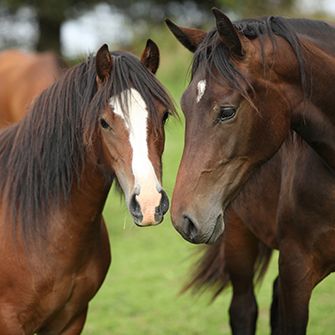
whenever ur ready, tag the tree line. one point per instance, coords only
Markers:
(51, 14)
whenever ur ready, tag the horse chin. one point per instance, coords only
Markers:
(217, 230)
(137, 221)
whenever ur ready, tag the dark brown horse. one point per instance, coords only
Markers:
(103, 120)
(259, 157)
(23, 77)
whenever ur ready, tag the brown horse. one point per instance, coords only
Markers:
(103, 120)
(259, 153)
(23, 77)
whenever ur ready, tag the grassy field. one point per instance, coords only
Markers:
(140, 294)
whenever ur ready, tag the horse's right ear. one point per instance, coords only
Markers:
(190, 38)
(104, 63)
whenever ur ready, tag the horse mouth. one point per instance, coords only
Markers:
(217, 230)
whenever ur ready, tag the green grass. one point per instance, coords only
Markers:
(140, 294)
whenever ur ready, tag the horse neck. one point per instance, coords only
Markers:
(83, 214)
(314, 117)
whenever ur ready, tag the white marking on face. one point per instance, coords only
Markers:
(146, 184)
(201, 88)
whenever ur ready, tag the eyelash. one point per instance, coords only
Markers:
(165, 117)
(226, 113)
(104, 124)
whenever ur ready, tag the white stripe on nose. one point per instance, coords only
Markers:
(146, 185)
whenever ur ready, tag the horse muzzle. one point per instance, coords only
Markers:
(148, 214)
(198, 232)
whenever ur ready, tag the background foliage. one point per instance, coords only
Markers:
(48, 16)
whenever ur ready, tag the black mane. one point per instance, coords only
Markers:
(42, 156)
(212, 53)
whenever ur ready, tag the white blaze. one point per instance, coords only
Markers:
(201, 87)
(146, 184)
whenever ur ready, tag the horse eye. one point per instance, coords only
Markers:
(226, 113)
(104, 124)
(165, 117)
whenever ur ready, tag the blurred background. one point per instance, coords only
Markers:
(75, 27)
(141, 293)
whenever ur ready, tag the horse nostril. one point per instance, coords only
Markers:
(135, 209)
(164, 204)
(190, 228)
(163, 207)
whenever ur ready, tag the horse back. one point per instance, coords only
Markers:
(23, 77)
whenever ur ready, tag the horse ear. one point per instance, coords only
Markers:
(190, 38)
(150, 56)
(228, 33)
(103, 62)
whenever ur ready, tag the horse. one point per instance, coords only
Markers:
(103, 120)
(239, 257)
(258, 158)
(23, 77)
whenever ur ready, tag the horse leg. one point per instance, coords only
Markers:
(243, 310)
(275, 308)
(241, 251)
(297, 278)
(76, 325)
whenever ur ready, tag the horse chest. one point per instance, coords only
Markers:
(44, 295)
(74, 290)
(58, 300)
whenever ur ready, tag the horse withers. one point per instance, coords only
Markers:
(259, 136)
(103, 120)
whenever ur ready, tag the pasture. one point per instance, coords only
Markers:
(140, 295)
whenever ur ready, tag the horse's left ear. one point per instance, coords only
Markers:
(104, 63)
(190, 38)
(228, 33)
(150, 56)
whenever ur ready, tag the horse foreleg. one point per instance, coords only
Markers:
(297, 278)
(243, 310)
(274, 321)
(241, 250)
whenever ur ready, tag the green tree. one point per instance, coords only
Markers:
(51, 14)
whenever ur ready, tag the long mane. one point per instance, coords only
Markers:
(42, 156)
(212, 53)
